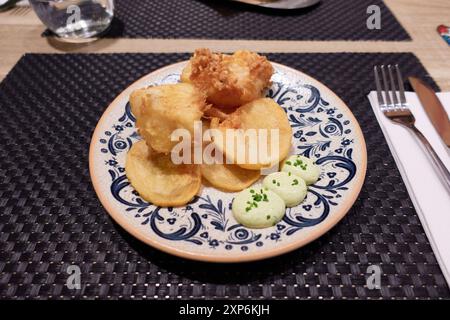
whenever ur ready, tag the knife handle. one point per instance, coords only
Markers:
(444, 173)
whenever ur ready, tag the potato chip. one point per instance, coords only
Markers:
(229, 177)
(259, 114)
(158, 180)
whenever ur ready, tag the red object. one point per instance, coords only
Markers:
(444, 31)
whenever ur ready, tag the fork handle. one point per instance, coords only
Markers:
(444, 173)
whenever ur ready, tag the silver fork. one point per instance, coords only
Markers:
(397, 109)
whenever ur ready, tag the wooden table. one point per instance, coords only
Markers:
(21, 33)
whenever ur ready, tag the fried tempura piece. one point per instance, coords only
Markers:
(229, 80)
(162, 109)
(137, 98)
(214, 112)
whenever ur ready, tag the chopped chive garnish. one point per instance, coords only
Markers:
(257, 197)
(252, 191)
(274, 181)
(294, 182)
(288, 162)
(268, 217)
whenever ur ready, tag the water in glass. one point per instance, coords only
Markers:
(75, 19)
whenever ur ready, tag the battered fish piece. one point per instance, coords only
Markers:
(228, 80)
(214, 112)
(162, 109)
(137, 99)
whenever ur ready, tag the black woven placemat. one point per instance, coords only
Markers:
(225, 19)
(50, 217)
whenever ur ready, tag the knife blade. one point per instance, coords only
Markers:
(433, 108)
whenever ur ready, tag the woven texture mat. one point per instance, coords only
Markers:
(225, 19)
(50, 217)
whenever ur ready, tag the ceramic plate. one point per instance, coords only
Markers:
(323, 128)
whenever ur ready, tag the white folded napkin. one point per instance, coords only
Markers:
(428, 194)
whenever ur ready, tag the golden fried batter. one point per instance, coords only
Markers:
(137, 98)
(229, 80)
(162, 109)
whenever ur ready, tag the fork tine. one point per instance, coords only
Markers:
(394, 91)
(401, 88)
(380, 97)
(386, 87)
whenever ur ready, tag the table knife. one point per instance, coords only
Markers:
(433, 108)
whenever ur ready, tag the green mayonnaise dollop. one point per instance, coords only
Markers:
(291, 188)
(303, 167)
(257, 207)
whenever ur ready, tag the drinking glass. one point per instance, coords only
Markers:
(75, 20)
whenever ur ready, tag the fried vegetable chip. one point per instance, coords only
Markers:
(248, 151)
(229, 177)
(158, 180)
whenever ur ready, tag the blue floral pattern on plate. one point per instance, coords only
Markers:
(323, 129)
